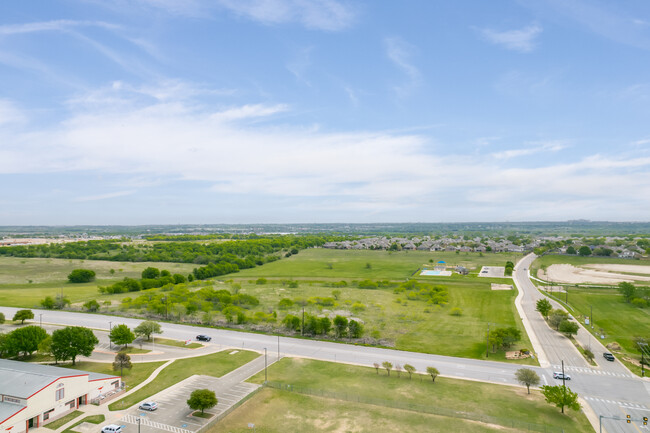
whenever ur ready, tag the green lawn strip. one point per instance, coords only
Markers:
(315, 262)
(204, 415)
(63, 420)
(216, 364)
(132, 377)
(93, 419)
(134, 350)
(274, 411)
(177, 343)
(483, 399)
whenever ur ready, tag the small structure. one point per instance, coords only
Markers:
(462, 270)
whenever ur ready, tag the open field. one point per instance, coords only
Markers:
(589, 267)
(50, 277)
(315, 263)
(330, 414)
(216, 364)
(594, 274)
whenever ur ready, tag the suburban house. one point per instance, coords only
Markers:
(32, 395)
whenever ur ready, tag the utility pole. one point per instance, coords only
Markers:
(265, 365)
(302, 329)
(138, 424)
(278, 347)
(643, 347)
(563, 378)
(591, 316)
(487, 342)
(110, 328)
(40, 318)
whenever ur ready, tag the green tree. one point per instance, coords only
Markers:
(584, 251)
(556, 317)
(150, 273)
(336, 294)
(121, 335)
(2, 318)
(60, 302)
(544, 307)
(355, 328)
(527, 377)
(92, 305)
(409, 369)
(48, 303)
(72, 341)
(122, 361)
(340, 326)
(81, 276)
(23, 315)
(571, 250)
(202, 399)
(433, 372)
(45, 346)
(568, 328)
(25, 340)
(5, 345)
(147, 328)
(388, 366)
(561, 396)
(627, 290)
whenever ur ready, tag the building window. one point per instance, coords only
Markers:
(11, 399)
(46, 415)
(60, 392)
(71, 404)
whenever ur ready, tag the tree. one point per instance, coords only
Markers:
(336, 294)
(45, 346)
(48, 303)
(121, 335)
(571, 250)
(202, 399)
(568, 328)
(355, 328)
(433, 372)
(150, 273)
(147, 328)
(561, 396)
(122, 361)
(584, 251)
(340, 326)
(23, 315)
(2, 318)
(627, 290)
(527, 377)
(556, 317)
(81, 276)
(409, 369)
(376, 365)
(91, 305)
(72, 341)
(25, 340)
(387, 365)
(544, 307)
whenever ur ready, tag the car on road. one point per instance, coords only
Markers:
(112, 428)
(608, 356)
(560, 375)
(149, 405)
(202, 337)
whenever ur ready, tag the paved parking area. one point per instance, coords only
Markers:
(492, 271)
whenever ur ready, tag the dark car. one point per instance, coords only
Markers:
(608, 356)
(202, 337)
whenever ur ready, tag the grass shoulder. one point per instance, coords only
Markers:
(92, 419)
(54, 425)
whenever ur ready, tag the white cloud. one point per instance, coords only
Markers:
(534, 147)
(104, 196)
(56, 25)
(400, 52)
(9, 113)
(522, 40)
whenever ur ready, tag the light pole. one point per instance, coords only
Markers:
(40, 318)
(643, 347)
(278, 347)
(265, 377)
(110, 328)
(487, 342)
(591, 316)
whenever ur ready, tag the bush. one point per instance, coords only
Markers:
(358, 307)
(285, 303)
(81, 276)
(367, 284)
(456, 311)
(639, 302)
(260, 281)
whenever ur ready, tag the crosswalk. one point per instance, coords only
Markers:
(590, 371)
(627, 404)
(157, 425)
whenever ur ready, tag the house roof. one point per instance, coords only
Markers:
(23, 379)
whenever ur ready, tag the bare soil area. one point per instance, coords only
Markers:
(595, 273)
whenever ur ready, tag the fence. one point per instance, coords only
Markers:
(433, 410)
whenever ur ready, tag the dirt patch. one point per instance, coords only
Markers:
(633, 269)
(570, 274)
(501, 286)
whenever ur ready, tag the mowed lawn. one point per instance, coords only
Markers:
(482, 399)
(132, 377)
(216, 364)
(49, 277)
(341, 264)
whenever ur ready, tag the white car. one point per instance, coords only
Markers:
(112, 428)
(150, 406)
(560, 375)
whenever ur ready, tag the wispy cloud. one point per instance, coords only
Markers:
(104, 196)
(400, 53)
(56, 25)
(532, 148)
(9, 113)
(299, 65)
(522, 40)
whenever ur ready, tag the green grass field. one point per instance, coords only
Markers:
(54, 425)
(93, 419)
(50, 277)
(304, 413)
(132, 377)
(351, 264)
(216, 364)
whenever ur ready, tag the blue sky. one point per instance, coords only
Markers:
(241, 111)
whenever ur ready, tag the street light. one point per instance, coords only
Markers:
(110, 328)
(265, 377)
(40, 318)
(643, 347)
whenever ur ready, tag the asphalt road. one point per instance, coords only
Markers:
(610, 389)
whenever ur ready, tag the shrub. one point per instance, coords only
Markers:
(456, 311)
(358, 307)
(81, 276)
(639, 302)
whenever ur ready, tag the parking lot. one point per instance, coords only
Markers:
(492, 271)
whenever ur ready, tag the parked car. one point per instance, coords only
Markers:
(560, 375)
(608, 356)
(202, 337)
(112, 428)
(149, 405)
